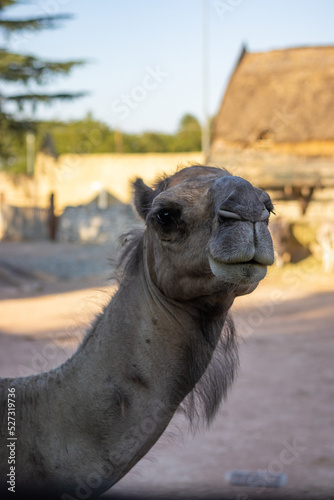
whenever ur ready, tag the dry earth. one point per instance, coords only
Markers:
(279, 415)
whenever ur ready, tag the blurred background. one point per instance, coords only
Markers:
(93, 95)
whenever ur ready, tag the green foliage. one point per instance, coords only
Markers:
(19, 68)
(23, 69)
(35, 23)
(78, 137)
(11, 140)
(89, 136)
(189, 134)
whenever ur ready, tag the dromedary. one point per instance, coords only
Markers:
(159, 343)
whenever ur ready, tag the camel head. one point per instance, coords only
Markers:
(206, 232)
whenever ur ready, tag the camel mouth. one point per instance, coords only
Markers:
(250, 271)
(252, 261)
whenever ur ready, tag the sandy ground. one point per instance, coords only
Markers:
(278, 417)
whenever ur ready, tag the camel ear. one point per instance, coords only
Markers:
(143, 197)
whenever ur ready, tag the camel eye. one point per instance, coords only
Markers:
(168, 218)
(165, 216)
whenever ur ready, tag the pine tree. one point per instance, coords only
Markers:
(22, 70)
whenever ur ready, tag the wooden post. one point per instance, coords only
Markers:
(52, 219)
(30, 142)
(2, 222)
(118, 141)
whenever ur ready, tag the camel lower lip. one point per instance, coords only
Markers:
(238, 272)
(250, 262)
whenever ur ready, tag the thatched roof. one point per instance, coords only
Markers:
(284, 96)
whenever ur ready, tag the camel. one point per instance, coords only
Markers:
(165, 341)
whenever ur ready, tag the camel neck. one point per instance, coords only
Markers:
(142, 353)
(114, 398)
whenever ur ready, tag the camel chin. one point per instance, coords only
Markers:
(238, 273)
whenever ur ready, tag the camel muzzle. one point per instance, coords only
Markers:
(241, 247)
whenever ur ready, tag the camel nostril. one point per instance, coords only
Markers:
(227, 214)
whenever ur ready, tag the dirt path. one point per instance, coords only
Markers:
(278, 417)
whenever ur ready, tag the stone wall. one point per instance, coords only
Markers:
(23, 223)
(18, 190)
(77, 179)
(90, 224)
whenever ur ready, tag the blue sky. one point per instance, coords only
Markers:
(144, 67)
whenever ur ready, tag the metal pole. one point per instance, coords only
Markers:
(205, 79)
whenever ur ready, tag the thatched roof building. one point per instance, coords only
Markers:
(275, 126)
(282, 100)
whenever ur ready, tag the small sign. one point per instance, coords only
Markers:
(256, 478)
